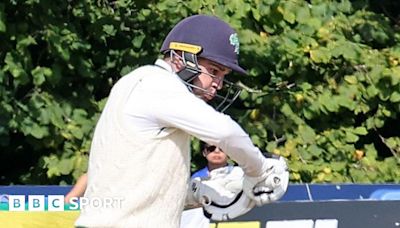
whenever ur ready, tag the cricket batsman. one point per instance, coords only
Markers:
(140, 151)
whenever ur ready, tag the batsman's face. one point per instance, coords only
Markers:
(210, 79)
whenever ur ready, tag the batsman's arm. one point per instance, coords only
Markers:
(197, 118)
(266, 179)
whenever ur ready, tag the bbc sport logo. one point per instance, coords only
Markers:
(57, 203)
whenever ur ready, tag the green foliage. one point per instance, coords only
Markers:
(344, 105)
(58, 63)
(323, 89)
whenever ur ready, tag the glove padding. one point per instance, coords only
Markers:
(271, 185)
(240, 205)
(221, 195)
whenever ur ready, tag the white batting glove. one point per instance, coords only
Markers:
(271, 185)
(221, 196)
(239, 205)
(203, 192)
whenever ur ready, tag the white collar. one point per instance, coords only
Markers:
(163, 64)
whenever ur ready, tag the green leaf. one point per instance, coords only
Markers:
(138, 40)
(378, 122)
(314, 23)
(271, 146)
(44, 116)
(109, 29)
(307, 134)
(56, 116)
(79, 115)
(395, 75)
(39, 131)
(308, 114)
(350, 51)
(321, 55)
(65, 166)
(351, 138)
(320, 10)
(3, 27)
(370, 151)
(256, 14)
(302, 14)
(395, 97)
(288, 15)
(344, 6)
(393, 142)
(305, 86)
(372, 91)
(15, 68)
(39, 75)
(386, 112)
(256, 140)
(360, 131)
(329, 102)
(350, 79)
(315, 150)
(344, 101)
(25, 42)
(338, 166)
(53, 171)
(305, 154)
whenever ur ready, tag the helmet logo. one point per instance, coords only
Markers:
(234, 41)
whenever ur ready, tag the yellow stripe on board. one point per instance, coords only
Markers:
(251, 224)
(33, 219)
(66, 219)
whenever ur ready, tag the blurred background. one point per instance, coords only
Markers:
(323, 89)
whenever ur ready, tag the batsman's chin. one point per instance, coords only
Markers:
(208, 97)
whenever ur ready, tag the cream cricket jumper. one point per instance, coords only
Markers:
(140, 154)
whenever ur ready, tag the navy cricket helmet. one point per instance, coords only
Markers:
(208, 37)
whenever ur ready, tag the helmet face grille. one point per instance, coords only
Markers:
(224, 98)
(227, 96)
(218, 41)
